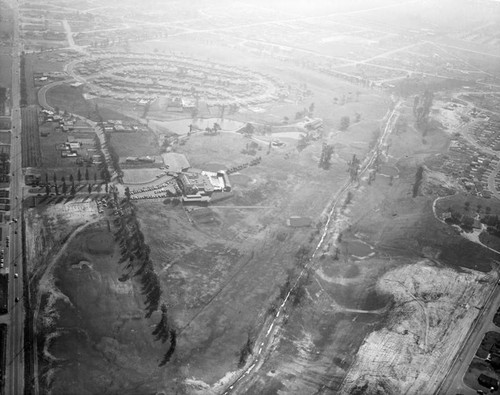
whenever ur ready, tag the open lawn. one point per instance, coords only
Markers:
(134, 144)
(70, 99)
(117, 351)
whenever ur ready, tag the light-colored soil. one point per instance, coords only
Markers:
(433, 310)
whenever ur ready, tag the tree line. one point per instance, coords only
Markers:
(135, 256)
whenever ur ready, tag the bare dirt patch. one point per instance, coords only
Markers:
(422, 337)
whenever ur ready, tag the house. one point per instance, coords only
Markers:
(73, 145)
(174, 105)
(488, 382)
(31, 176)
(298, 222)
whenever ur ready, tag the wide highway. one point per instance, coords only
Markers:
(14, 383)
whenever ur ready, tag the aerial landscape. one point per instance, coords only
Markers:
(249, 197)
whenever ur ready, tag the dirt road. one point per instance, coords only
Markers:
(266, 339)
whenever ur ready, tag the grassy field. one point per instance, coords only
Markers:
(134, 144)
(67, 98)
(115, 352)
(71, 99)
(45, 63)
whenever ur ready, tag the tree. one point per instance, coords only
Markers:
(245, 351)
(302, 142)
(127, 193)
(467, 206)
(90, 188)
(106, 183)
(79, 176)
(488, 210)
(64, 188)
(95, 178)
(71, 178)
(326, 155)
(162, 330)
(311, 108)
(55, 178)
(171, 350)
(73, 190)
(357, 117)
(87, 174)
(344, 123)
(249, 129)
(46, 178)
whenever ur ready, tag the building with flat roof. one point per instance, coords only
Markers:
(195, 183)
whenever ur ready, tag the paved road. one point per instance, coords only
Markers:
(15, 341)
(453, 383)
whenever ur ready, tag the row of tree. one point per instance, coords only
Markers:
(115, 159)
(135, 255)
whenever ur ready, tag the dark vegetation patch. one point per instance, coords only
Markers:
(4, 293)
(418, 181)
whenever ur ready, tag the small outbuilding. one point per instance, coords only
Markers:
(299, 222)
